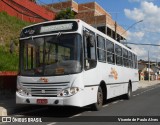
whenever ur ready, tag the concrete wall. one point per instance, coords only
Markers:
(7, 82)
(63, 5)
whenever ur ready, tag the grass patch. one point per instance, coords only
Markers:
(8, 61)
(10, 28)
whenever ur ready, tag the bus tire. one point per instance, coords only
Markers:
(98, 105)
(129, 92)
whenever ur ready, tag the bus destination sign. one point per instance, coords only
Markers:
(49, 28)
(59, 27)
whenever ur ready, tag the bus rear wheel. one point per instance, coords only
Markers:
(98, 105)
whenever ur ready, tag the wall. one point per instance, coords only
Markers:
(26, 10)
(7, 82)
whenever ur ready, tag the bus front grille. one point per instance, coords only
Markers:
(45, 89)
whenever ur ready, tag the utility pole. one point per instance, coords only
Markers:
(115, 30)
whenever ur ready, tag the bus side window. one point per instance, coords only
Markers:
(118, 54)
(101, 51)
(110, 52)
(130, 59)
(125, 58)
(133, 64)
(89, 50)
(135, 61)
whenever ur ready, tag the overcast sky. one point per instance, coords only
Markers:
(126, 13)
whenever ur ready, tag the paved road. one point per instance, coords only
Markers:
(144, 102)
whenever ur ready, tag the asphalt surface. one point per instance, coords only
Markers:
(144, 102)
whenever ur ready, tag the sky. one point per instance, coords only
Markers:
(128, 12)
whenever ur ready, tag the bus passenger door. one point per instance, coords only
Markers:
(90, 63)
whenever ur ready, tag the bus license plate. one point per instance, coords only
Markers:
(42, 101)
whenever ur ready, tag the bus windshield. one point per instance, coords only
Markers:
(51, 55)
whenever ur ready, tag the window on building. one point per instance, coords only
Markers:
(102, 29)
(109, 32)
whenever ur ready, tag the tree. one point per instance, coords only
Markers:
(65, 14)
(33, 1)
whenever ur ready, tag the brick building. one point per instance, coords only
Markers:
(93, 14)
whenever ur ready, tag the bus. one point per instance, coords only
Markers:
(70, 63)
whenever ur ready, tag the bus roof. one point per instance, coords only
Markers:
(87, 26)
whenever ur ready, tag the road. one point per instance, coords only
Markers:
(144, 102)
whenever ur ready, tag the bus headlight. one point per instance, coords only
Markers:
(69, 91)
(22, 91)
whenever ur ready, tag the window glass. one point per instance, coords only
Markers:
(118, 60)
(130, 55)
(110, 57)
(125, 58)
(110, 51)
(90, 60)
(130, 60)
(46, 55)
(110, 46)
(101, 55)
(118, 52)
(135, 61)
(100, 42)
(101, 49)
(125, 53)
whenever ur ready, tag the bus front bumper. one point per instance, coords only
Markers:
(75, 100)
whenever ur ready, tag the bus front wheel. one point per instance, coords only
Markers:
(98, 105)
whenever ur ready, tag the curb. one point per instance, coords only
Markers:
(18, 109)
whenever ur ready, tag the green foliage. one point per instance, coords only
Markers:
(65, 14)
(10, 28)
(8, 62)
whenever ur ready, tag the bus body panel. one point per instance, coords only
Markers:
(115, 77)
(80, 99)
(117, 86)
(86, 96)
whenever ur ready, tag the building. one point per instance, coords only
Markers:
(147, 70)
(93, 14)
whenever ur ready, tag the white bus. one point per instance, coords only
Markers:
(70, 63)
